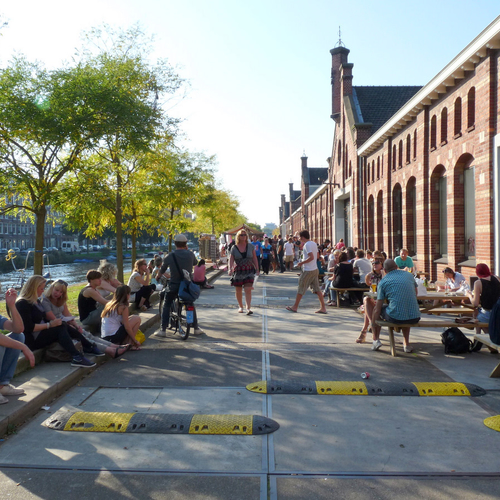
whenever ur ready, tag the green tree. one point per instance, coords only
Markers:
(45, 125)
(135, 119)
(217, 211)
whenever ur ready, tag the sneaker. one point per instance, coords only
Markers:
(162, 332)
(198, 331)
(3, 400)
(10, 390)
(83, 362)
(376, 345)
(408, 348)
(94, 351)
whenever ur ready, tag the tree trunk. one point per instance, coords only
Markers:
(41, 214)
(134, 251)
(118, 219)
(172, 212)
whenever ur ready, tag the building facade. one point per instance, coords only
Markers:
(417, 167)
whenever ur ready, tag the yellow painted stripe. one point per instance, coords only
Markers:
(493, 423)
(98, 422)
(221, 424)
(441, 389)
(342, 388)
(258, 387)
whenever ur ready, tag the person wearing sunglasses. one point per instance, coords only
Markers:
(243, 267)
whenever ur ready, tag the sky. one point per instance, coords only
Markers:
(259, 91)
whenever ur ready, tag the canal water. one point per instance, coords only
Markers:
(71, 273)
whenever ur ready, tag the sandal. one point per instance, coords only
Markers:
(144, 308)
(362, 337)
(240, 309)
(122, 347)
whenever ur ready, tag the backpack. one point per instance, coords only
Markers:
(455, 342)
(494, 323)
(188, 291)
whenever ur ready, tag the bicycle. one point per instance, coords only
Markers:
(181, 315)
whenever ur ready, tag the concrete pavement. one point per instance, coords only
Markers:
(326, 447)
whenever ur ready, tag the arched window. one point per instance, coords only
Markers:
(408, 148)
(471, 108)
(400, 157)
(457, 129)
(443, 217)
(411, 217)
(444, 126)
(470, 212)
(433, 132)
(373, 171)
(397, 219)
(394, 157)
(350, 168)
(339, 153)
(378, 167)
(415, 144)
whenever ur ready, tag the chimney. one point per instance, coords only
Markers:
(339, 59)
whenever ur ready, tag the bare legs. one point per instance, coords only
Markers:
(298, 298)
(248, 296)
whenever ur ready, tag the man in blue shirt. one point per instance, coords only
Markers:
(399, 289)
(258, 247)
(404, 261)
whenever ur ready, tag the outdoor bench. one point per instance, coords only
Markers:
(485, 339)
(425, 323)
(343, 290)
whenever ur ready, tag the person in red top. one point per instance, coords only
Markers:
(199, 275)
(340, 245)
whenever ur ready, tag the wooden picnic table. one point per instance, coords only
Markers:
(431, 297)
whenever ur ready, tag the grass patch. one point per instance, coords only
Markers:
(73, 292)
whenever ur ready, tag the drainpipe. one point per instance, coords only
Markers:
(496, 202)
(360, 202)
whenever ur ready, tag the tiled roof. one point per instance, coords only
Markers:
(317, 176)
(378, 104)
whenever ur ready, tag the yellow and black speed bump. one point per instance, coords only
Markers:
(161, 423)
(367, 388)
(493, 423)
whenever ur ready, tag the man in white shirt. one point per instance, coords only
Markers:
(362, 265)
(309, 275)
(289, 254)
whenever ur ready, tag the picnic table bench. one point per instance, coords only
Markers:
(464, 311)
(485, 339)
(425, 323)
(343, 290)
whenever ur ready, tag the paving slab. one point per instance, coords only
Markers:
(31, 484)
(386, 434)
(348, 362)
(353, 488)
(36, 445)
(186, 366)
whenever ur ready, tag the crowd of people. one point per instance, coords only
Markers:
(39, 315)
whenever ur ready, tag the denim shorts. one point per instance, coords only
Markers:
(483, 316)
(386, 317)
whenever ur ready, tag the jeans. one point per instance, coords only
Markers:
(282, 264)
(170, 296)
(8, 359)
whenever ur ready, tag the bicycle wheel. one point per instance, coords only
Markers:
(182, 325)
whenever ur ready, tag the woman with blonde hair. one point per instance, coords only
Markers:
(55, 305)
(243, 266)
(117, 326)
(139, 283)
(109, 283)
(39, 330)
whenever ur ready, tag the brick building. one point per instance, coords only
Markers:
(417, 167)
